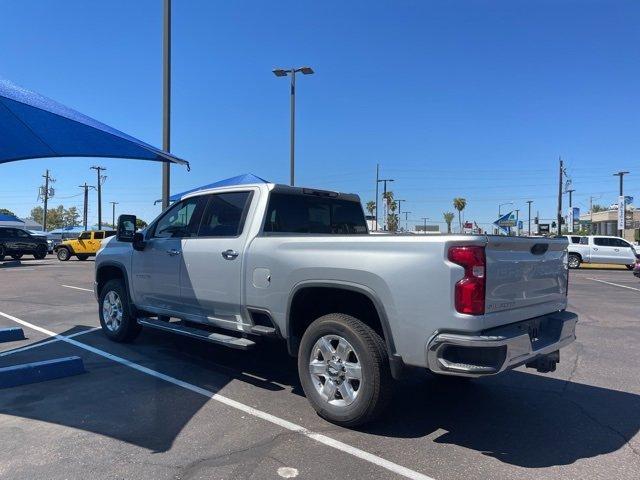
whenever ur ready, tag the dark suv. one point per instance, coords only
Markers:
(15, 242)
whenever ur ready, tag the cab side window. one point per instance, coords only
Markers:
(225, 214)
(21, 233)
(584, 241)
(98, 235)
(85, 236)
(181, 220)
(109, 233)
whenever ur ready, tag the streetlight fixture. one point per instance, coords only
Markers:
(406, 221)
(502, 205)
(529, 228)
(280, 72)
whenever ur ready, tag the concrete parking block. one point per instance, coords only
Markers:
(40, 371)
(11, 334)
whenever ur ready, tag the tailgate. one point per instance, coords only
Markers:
(526, 272)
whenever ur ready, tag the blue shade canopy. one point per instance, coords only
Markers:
(9, 218)
(33, 126)
(244, 179)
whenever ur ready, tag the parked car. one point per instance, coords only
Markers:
(16, 242)
(47, 236)
(236, 264)
(84, 246)
(600, 249)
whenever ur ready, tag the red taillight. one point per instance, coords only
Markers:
(469, 292)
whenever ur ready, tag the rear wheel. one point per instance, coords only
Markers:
(63, 254)
(2, 252)
(344, 370)
(116, 318)
(574, 260)
(630, 267)
(41, 252)
(83, 257)
(16, 256)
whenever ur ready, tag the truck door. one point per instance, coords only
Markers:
(623, 252)
(211, 278)
(82, 245)
(156, 269)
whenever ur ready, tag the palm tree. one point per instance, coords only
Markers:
(459, 203)
(371, 207)
(391, 205)
(448, 217)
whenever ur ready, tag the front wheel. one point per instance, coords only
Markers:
(116, 319)
(630, 267)
(3, 252)
(41, 252)
(574, 261)
(63, 254)
(16, 256)
(344, 370)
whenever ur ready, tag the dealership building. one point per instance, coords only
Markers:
(606, 223)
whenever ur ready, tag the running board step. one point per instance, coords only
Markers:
(262, 330)
(200, 334)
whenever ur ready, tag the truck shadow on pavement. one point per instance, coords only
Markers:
(518, 418)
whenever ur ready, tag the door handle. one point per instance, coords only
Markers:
(595, 248)
(229, 254)
(616, 249)
(173, 252)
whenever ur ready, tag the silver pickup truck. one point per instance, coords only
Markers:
(233, 265)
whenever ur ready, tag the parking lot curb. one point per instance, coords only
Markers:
(11, 334)
(40, 371)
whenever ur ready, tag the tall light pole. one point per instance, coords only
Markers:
(166, 102)
(377, 193)
(113, 213)
(399, 202)
(529, 228)
(279, 72)
(85, 208)
(500, 207)
(424, 219)
(621, 202)
(384, 195)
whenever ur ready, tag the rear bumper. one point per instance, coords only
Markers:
(495, 350)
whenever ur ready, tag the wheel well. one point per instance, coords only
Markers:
(576, 254)
(310, 303)
(106, 273)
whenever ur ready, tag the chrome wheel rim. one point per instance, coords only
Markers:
(335, 370)
(573, 262)
(112, 311)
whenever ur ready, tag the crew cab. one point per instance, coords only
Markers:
(17, 242)
(233, 265)
(600, 249)
(84, 246)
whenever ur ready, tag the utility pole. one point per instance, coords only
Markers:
(113, 213)
(46, 193)
(424, 219)
(406, 221)
(100, 180)
(166, 103)
(399, 202)
(529, 228)
(621, 203)
(517, 222)
(384, 199)
(377, 193)
(85, 209)
(561, 173)
(570, 192)
(591, 198)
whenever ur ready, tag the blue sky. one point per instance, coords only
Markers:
(467, 98)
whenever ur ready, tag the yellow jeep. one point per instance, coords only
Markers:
(86, 245)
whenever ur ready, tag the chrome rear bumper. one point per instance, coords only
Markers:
(502, 348)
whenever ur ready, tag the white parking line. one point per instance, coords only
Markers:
(281, 422)
(47, 342)
(78, 288)
(614, 284)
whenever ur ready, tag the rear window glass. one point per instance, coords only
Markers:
(575, 239)
(109, 233)
(602, 242)
(98, 235)
(289, 213)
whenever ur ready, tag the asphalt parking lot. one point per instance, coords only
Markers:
(171, 407)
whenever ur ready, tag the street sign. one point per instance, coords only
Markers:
(468, 225)
(543, 228)
(506, 221)
(573, 219)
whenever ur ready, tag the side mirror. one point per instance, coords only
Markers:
(126, 228)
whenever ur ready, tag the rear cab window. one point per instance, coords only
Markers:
(98, 235)
(313, 214)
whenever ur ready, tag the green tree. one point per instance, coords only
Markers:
(392, 206)
(371, 207)
(140, 224)
(70, 217)
(598, 208)
(4, 211)
(459, 203)
(37, 213)
(448, 217)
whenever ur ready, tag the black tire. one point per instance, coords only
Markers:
(2, 252)
(82, 257)
(63, 254)
(16, 256)
(41, 252)
(374, 391)
(630, 267)
(574, 261)
(128, 328)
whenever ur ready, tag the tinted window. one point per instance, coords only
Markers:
(181, 220)
(109, 233)
(584, 241)
(85, 236)
(224, 215)
(21, 233)
(311, 214)
(7, 233)
(575, 239)
(618, 242)
(98, 235)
